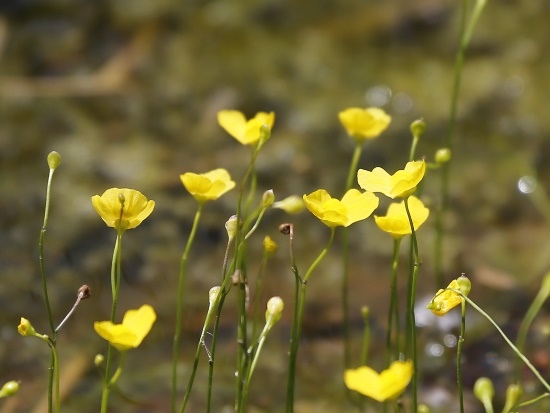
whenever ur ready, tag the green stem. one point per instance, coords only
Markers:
(297, 324)
(532, 312)
(508, 341)
(55, 370)
(412, 302)
(258, 289)
(528, 402)
(179, 307)
(200, 345)
(393, 314)
(459, 357)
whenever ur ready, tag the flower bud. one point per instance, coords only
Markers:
(423, 408)
(464, 285)
(443, 155)
(270, 246)
(274, 310)
(98, 360)
(265, 134)
(513, 394)
(291, 205)
(54, 159)
(121, 199)
(365, 312)
(213, 294)
(268, 198)
(25, 328)
(9, 388)
(484, 392)
(232, 226)
(418, 127)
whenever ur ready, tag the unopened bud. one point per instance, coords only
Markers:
(121, 199)
(423, 408)
(274, 310)
(54, 159)
(513, 394)
(9, 388)
(98, 360)
(270, 246)
(291, 205)
(265, 134)
(232, 226)
(213, 294)
(443, 155)
(365, 312)
(268, 198)
(464, 284)
(418, 127)
(484, 392)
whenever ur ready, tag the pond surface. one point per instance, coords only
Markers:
(128, 91)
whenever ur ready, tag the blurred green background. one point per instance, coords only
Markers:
(127, 92)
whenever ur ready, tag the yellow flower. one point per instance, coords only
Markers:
(396, 221)
(270, 246)
(123, 208)
(362, 124)
(208, 186)
(389, 384)
(136, 324)
(354, 206)
(401, 184)
(245, 131)
(25, 328)
(445, 300)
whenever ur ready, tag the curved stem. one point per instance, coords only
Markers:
(179, 307)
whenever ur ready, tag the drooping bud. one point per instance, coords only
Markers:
(291, 205)
(54, 159)
(9, 388)
(268, 198)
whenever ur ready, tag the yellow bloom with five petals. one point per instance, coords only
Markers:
(389, 384)
(401, 184)
(122, 208)
(396, 221)
(362, 124)
(245, 131)
(445, 300)
(135, 326)
(354, 206)
(208, 186)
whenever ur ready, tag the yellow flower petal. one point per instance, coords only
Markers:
(396, 221)
(355, 206)
(389, 384)
(135, 326)
(401, 184)
(362, 124)
(246, 132)
(208, 186)
(122, 208)
(445, 300)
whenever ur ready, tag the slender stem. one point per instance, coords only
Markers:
(415, 259)
(508, 341)
(115, 288)
(45, 286)
(352, 173)
(459, 357)
(223, 292)
(532, 312)
(179, 307)
(297, 324)
(366, 340)
(200, 345)
(258, 289)
(393, 314)
(528, 402)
